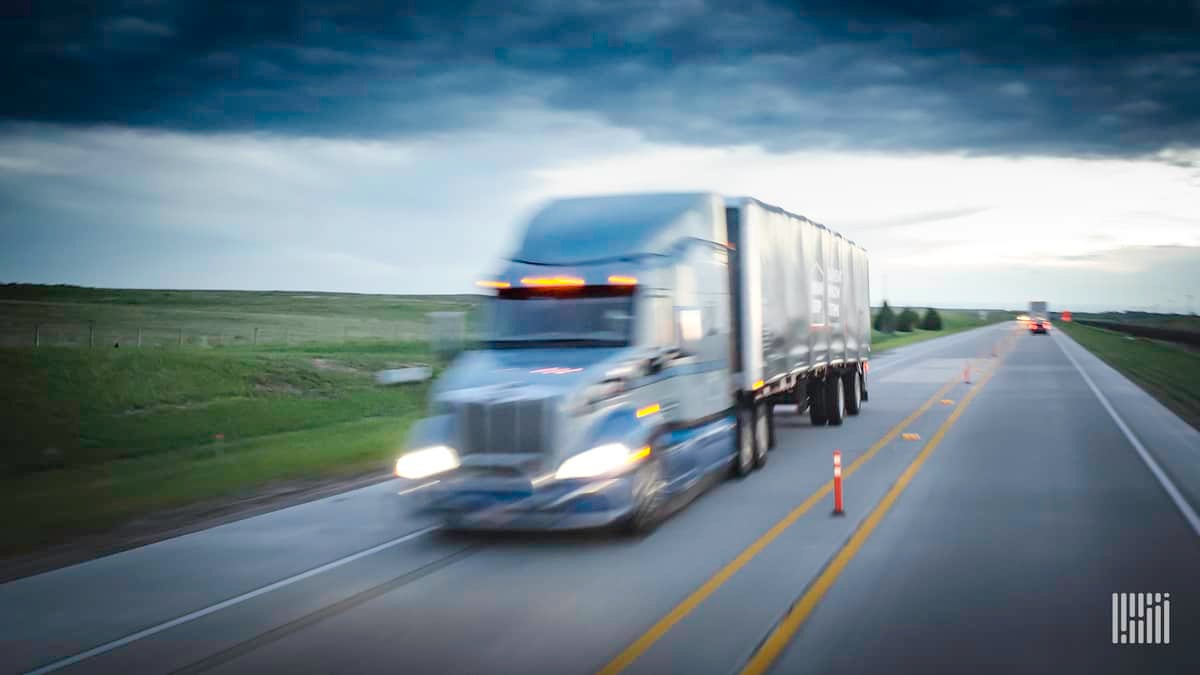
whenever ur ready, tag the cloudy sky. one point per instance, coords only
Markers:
(986, 154)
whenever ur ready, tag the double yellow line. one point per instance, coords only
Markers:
(780, 636)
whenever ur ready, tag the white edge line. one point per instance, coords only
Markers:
(121, 642)
(1185, 508)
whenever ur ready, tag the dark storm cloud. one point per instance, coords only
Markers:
(1052, 76)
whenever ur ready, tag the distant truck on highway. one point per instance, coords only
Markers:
(1039, 317)
(635, 348)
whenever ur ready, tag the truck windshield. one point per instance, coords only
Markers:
(586, 317)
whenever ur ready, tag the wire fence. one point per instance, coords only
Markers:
(446, 331)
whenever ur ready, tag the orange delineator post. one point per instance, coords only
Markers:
(837, 482)
(967, 372)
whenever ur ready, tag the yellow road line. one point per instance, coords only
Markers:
(655, 633)
(779, 638)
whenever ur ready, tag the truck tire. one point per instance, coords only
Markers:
(836, 400)
(743, 457)
(816, 407)
(648, 500)
(770, 426)
(762, 435)
(800, 393)
(853, 384)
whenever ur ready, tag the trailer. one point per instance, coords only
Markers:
(636, 347)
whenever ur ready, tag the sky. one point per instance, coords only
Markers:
(986, 154)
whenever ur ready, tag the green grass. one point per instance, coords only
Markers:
(47, 508)
(96, 436)
(953, 321)
(1168, 372)
(1175, 321)
(74, 316)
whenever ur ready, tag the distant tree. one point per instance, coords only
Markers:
(885, 319)
(907, 321)
(932, 320)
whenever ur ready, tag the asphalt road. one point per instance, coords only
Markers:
(993, 542)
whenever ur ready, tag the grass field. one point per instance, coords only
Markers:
(1175, 321)
(953, 321)
(1168, 372)
(74, 316)
(98, 436)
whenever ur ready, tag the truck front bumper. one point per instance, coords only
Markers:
(516, 504)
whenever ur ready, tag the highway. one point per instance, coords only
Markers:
(992, 540)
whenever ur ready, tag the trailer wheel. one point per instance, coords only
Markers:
(836, 400)
(862, 385)
(770, 426)
(743, 462)
(800, 393)
(817, 393)
(853, 392)
(762, 435)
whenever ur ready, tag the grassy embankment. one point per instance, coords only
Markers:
(1169, 373)
(97, 437)
(953, 321)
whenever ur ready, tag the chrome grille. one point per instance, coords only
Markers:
(513, 426)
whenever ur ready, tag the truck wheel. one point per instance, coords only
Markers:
(770, 426)
(743, 461)
(853, 392)
(816, 407)
(836, 397)
(801, 395)
(762, 435)
(648, 498)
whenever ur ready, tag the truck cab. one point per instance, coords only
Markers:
(602, 387)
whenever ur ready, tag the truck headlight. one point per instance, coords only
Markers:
(427, 462)
(600, 460)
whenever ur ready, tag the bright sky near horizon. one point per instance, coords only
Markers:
(985, 155)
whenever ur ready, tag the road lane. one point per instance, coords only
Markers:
(1172, 443)
(719, 636)
(1003, 553)
(59, 613)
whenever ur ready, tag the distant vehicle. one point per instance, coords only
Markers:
(1039, 317)
(635, 348)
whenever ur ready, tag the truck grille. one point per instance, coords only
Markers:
(521, 426)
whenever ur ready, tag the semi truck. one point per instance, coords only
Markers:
(1039, 317)
(635, 349)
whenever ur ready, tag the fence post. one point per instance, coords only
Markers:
(139, 337)
(91, 334)
(256, 335)
(37, 335)
(180, 337)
